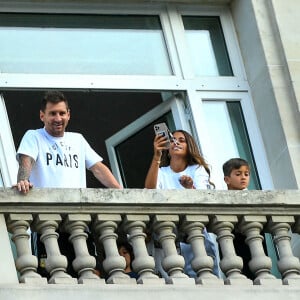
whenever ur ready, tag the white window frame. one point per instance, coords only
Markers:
(170, 20)
(197, 89)
(235, 82)
(8, 162)
(260, 157)
(174, 104)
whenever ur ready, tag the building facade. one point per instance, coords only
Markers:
(226, 71)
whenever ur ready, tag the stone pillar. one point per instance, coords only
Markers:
(202, 264)
(288, 264)
(231, 264)
(26, 263)
(84, 264)
(260, 264)
(56, 264)
(105, 226)
(173, 263)
(143, 264)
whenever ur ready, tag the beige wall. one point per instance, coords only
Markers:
(288, 21)
(267, 60)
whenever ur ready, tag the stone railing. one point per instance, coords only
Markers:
(136, 215)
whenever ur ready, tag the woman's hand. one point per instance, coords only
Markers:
(186, 182)
(159, 144)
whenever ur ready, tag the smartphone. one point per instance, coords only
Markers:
(162, 130)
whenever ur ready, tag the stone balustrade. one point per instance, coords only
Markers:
(140, 217)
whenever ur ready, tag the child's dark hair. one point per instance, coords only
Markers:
(128, 247)
(233, 164)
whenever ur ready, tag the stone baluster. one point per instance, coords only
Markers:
(84, 264)
(173, 263)
(260, 265)
(231, 264)
(56, 264)
(105, 226)
(26, 263)
(143, 264)
(202, 264)
(288, 264)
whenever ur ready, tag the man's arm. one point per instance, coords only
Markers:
(25, 166)
(104, 175)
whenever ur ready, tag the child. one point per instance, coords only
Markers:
(125, 250)
(236, 174)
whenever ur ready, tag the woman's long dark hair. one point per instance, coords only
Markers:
(193, 155)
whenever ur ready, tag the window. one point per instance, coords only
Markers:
(144, 50)
(229, 138)
(83, 44)
(1, 180)
(137, 151)
(206, 46)
(8, 162)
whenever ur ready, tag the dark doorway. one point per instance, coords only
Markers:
(95, 114)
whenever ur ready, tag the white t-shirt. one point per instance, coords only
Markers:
(168, 179)
(59, 161)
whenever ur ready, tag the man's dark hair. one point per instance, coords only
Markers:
(233, 164)
(53, 97)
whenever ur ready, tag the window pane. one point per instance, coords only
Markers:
(137, 151)
(1, 180)
(83, 44)
(206, 46)
(229, 139)
(242, 140)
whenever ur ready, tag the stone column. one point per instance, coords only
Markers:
(26, 263)
(288, 264)
(105, 226)
(84, 264)
(231, 264)
(173, 263)
(56, 264)
(143, 264)
(260, 264)
(202, 264)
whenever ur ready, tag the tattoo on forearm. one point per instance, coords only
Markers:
(25, 165)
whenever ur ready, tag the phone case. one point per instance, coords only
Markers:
(162, 129)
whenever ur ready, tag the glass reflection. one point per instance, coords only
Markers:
(206, 46)
(83, 44)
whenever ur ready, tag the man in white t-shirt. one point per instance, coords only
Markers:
(52, 158)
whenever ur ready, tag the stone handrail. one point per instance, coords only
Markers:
(137, 214)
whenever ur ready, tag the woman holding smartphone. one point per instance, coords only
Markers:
(179, 165)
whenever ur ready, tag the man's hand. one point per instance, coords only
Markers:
(25, 165)
(23, 186)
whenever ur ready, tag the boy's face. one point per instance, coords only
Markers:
(238, 179)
